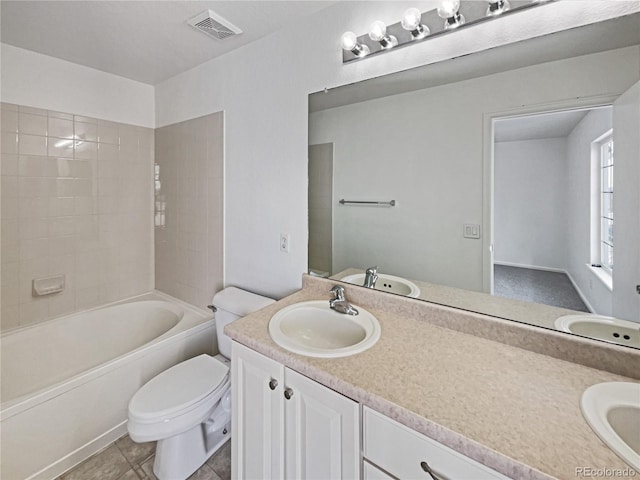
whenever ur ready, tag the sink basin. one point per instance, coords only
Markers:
(600, 327)
(315, 330)
(387, 283)
(612, 410)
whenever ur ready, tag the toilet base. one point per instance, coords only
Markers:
(179, 456)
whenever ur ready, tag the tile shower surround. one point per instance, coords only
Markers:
(189, 248)
(76, 199)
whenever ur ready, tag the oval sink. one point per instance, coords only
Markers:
(315, 330)
(387, 283)
(612, 410)
(600, 327)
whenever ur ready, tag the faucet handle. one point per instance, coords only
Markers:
(372, 270)
(337, 292)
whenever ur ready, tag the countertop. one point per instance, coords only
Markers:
(511, 409)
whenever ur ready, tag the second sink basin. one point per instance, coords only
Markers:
(387, 283)
(612, 410)
(315, 330)
(600, 327)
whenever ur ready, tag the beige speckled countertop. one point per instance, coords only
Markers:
(511, 409)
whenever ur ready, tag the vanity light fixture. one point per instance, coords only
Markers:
(378, 33)
(350, 44)
(411, 22)
(497, 7)
(415, 27)
(449, 10)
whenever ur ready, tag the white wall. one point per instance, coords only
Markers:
(530, 214)
(41, 81)
(263, 89)
(429, 157)
(579, 141)
(626, 270)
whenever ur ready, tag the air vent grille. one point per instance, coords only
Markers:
(214, 25)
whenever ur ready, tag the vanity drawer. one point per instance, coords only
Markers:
(401, 451)
(373, 473)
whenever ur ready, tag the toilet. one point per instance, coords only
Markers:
(187, 408)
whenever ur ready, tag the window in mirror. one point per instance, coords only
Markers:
(603, 254)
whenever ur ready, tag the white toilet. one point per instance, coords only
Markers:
(187, 408)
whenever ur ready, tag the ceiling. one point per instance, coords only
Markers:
(147, 41)
(536, 127)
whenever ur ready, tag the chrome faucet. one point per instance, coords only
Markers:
(339, 303)
(371, 277)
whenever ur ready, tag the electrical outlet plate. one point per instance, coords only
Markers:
(284, 242)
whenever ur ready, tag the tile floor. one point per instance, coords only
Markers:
(127, 460)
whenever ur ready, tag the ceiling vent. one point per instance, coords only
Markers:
(214, 25)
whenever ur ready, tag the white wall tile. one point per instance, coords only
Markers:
(32, 124)
(9, 143)
(58, 216)
(188, 250)
(58, 147)
(32, 144)
(8, 164)
(60, 128)
(9, 121)
(86, 131)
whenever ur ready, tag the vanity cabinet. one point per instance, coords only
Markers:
(392, 450)
(285, 425)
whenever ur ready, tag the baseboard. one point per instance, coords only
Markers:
(81, 454)
(532, 267)
(582, 296)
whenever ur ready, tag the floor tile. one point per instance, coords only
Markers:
(220, 462)
(130, 475)
(135, 453)
(204, 473)
(147, 468)
(109, 464)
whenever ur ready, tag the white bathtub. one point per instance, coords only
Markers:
(66, 383)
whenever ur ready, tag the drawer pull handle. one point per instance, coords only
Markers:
(288, 393)
(425, 466)
(273, 384)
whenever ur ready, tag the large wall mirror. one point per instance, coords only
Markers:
(486, 182)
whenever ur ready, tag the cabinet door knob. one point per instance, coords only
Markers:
(425, 466)
(288, 393)
(273, 384)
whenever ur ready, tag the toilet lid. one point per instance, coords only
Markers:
(179, 387)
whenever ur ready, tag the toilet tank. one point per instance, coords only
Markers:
(233, 303)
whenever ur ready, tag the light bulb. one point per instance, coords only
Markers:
(411, 19)
(448, 8)
(349, 41)
(377, 31)
(497, 7)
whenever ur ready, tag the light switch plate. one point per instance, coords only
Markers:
(471, 230)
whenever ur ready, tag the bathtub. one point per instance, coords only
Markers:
(66, 383)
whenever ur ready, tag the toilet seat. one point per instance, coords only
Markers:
(178, 398)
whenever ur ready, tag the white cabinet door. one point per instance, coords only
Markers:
(257, 427)
(322, 434)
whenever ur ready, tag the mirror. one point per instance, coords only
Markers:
(471, 206)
